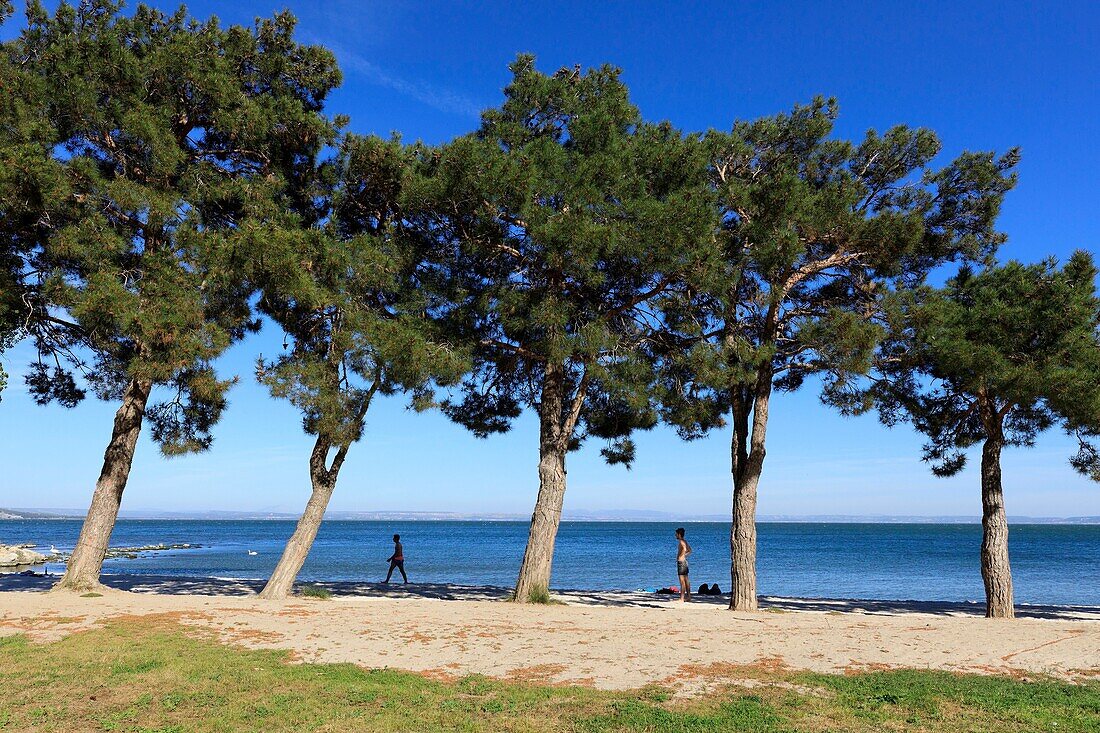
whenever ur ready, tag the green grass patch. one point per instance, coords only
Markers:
(540, 596)
(152, 675)
(313, 591)
(929, 696)
(91, 595)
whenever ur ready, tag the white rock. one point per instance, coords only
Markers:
(12, 556)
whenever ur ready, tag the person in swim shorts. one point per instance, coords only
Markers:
(397, 559)
(683, 549)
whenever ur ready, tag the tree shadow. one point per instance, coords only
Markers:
(937, 608)
(182, 585)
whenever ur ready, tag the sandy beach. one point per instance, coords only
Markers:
(605, 640)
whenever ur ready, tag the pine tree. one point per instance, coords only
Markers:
(812, 229)
(20, 124)
(565, 216)
(146, 185)
(346, 293)
(995, 357)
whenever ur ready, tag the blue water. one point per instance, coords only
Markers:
(1057, 564)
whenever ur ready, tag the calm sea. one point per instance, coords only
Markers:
(1057, 564)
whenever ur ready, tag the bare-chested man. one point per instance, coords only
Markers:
(397, 560)
(682, 551)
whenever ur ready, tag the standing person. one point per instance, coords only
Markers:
(397, 559)
(683, 549)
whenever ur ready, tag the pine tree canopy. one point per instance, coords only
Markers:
(147, 159)
(559, 223)
(347, 295)
(814, 229)
(1006, 352)
(17, 119)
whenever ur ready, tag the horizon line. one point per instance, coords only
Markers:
(605, 515)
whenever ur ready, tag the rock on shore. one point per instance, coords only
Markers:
(14, 556)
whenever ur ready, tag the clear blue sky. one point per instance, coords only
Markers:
(989, 75)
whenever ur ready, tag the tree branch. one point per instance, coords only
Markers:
(525, 353)
(574, 411)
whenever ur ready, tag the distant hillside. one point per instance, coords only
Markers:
(28, 514)
(903, 519)
(621, 515)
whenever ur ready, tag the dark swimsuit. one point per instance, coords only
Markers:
(681, 567)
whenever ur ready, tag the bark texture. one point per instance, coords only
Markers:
(750, 424)
(323, 480)
(556, 424)
(86, 562)
(996, 571)
(534, 573)
(743, 546)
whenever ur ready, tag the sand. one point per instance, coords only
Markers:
(606, 640)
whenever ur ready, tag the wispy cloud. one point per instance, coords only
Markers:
(438, 98)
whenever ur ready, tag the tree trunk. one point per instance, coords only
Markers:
(534, 572)
(743, 545)
(82, 571)
(298, 546)
(747, 454)
(996, 572)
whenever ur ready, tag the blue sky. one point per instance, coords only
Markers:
(987, 75)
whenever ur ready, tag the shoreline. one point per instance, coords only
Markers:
(213, 586)
(923, 563)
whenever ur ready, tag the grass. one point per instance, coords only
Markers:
(152, 675)
(313, 591)
(541, 596)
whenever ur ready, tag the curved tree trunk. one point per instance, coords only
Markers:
(996, 572)
(556, 425)
(747, 454)
(82, 571)
(534, 573)
(323, 480)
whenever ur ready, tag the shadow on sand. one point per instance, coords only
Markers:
(176, 585)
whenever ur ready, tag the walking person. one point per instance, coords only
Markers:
(683, 549)
(397, 559)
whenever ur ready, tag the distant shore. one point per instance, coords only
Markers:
(609, 516)
(613, 640)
